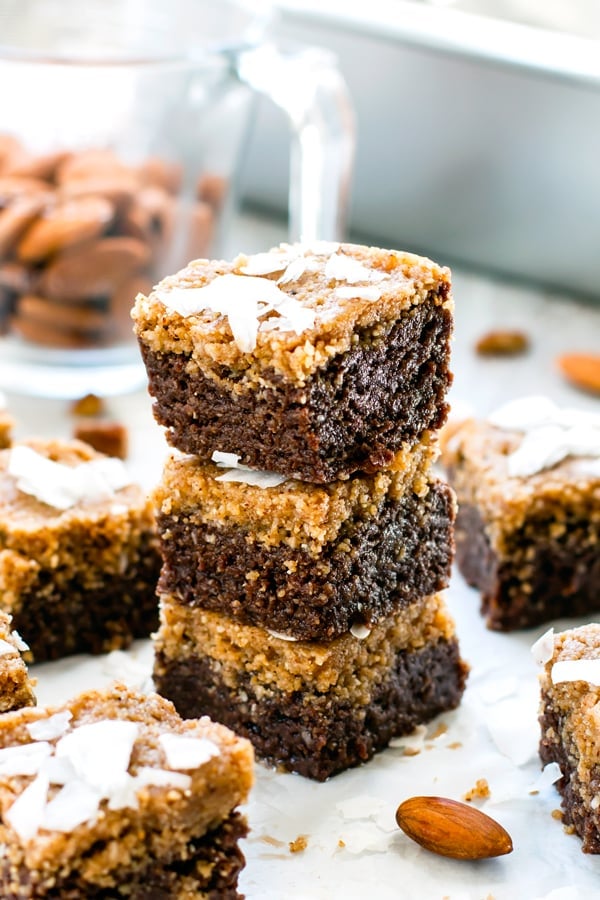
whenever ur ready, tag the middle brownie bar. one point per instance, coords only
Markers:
(309, 561)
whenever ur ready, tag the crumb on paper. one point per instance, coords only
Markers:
(411, 751)
(455, 745)
(480, 792)
(441, 729)
(557, 814)
(271, 841)
(341, 843)
(90, 405)
(502, 342)
(300, 844)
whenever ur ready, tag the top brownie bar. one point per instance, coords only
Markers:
(311, 361)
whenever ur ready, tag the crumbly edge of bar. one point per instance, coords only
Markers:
(570, 733)
(93, 613)
(207, 869)
(207, 338)
(318, 735)
(346, 667)
(546, 568)
(16, 688)
(475, 456)
(166, 818)
(296, 514)
(375, 566)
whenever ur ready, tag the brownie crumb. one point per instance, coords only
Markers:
(300, 844)
(480, 792)
(106, 437)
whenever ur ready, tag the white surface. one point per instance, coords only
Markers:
(495, 726)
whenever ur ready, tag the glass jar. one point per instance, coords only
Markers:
(122, 123)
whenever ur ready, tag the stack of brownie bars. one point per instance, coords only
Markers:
(304, 537)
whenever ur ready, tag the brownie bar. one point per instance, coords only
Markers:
(16, 688)
(305, 560)
(370, 374)
(570, 728)
(81, 578)
(312, 708)
(161, 823)
(529, 543)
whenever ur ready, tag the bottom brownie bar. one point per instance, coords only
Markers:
(311, 708)
(127, 801)
(570, 725)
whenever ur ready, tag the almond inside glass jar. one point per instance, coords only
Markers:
(82, 233)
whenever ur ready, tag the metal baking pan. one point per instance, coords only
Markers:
(478, 138)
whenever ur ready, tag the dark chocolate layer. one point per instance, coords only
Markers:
(315, 734)
(563, 572)
(375, 566)
(211, 864)
(352, 415)
(577, 813)
(59, 618)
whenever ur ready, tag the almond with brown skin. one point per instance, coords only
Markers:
(582, 370)
(502, 343)
(452, 829)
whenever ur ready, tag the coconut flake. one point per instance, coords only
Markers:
(363, 806)
(243, 299)
(77, 802)
(368, 292)
(296, 270)
(524, 413)
(52, 727)
(543, 649)
(344, 268)
(265, 263)
(549, 775)
(149, 777)
(64, 486)
(100, 753)
(360, 631)
(242, 474)
(280, 635)
(7, 649)
(183, 752)
(551, 434)
(226, 460)
(24, 759)
(414, 741)
(576, 670)
(20, 644)
(26, 813)
(253, 477)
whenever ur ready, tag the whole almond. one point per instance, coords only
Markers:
(15, 219)
(582, 370)
(94, 270)
(452, 829)
(64, 225)
(502, 342)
